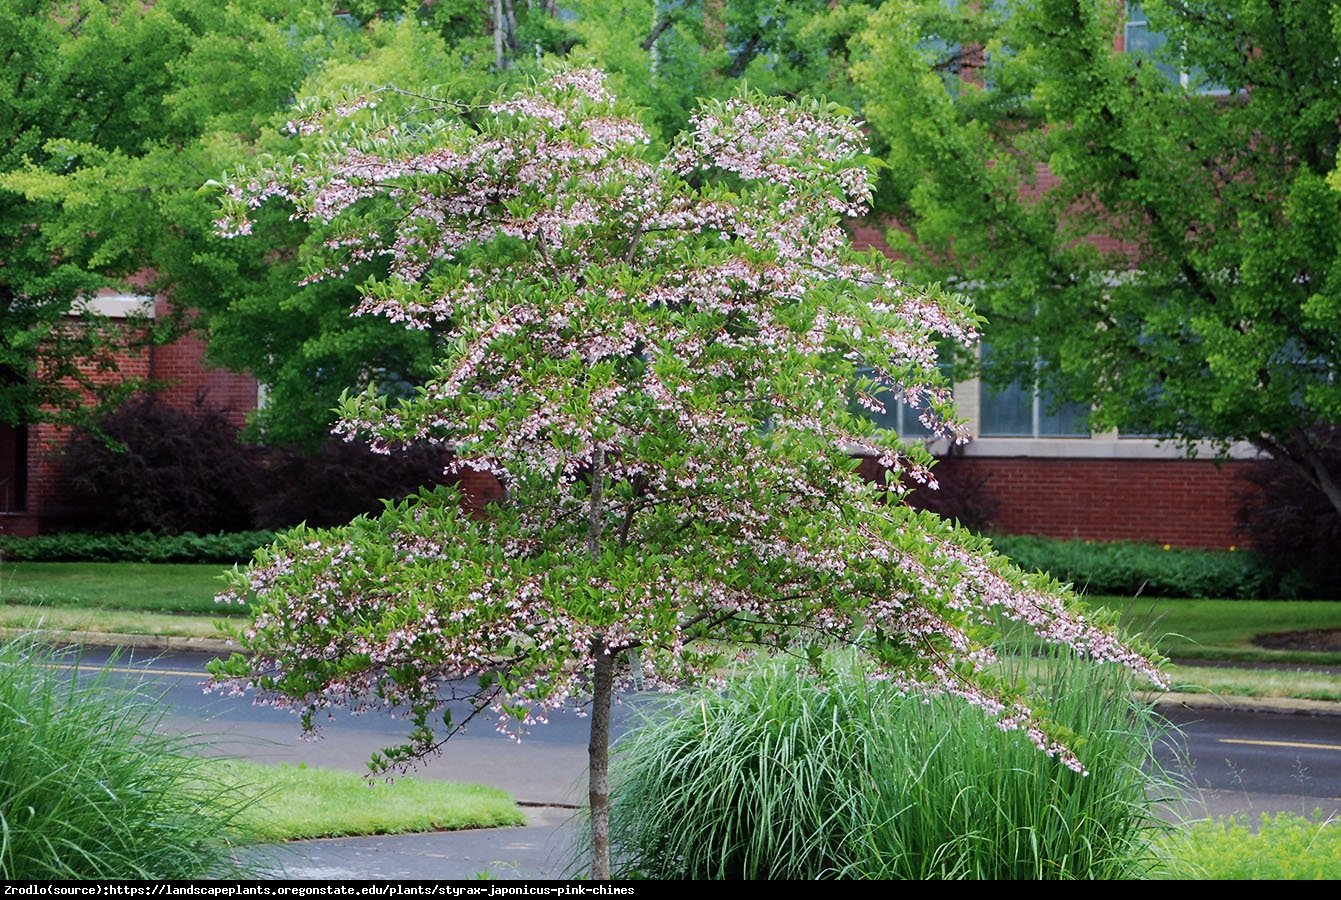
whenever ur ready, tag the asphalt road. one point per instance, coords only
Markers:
(1230, 761)
(1256, 762)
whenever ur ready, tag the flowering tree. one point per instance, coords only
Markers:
(657, 359)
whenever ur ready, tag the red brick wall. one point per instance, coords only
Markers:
(479, 489)
(192, 384)
(1186, 503)
(189, 383)
(50, 501)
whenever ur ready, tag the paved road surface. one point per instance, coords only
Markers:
(1258, 762)
(1235, 761)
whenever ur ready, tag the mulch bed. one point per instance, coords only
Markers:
(1322, 639)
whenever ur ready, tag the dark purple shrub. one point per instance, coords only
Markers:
(1292, 524)
(148, 466)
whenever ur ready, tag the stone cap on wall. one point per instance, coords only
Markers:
(116, 306)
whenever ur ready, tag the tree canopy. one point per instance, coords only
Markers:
(72, 84)
(1151, 231)
(121, 112)
(656, 357)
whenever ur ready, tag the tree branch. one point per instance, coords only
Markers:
(657, 31)
(744, 57)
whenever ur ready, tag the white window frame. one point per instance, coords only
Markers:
(1183, 76)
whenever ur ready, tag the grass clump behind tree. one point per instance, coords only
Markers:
(89, 789)
(783, 776)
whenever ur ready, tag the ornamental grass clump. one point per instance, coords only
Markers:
(785, 775)
(90, 790)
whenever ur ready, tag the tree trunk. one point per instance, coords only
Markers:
(596, 504)
(598, 756)
(1322, 477)
(602, 689)
(500, 61)
(1306, 459)
(510, 21)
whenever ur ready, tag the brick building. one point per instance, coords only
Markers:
(1040, 470)
(32, 490)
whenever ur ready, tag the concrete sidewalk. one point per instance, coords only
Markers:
(543, 848)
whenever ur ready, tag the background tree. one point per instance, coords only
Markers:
(211, 92)
(121, 114)
(1181, 272)
(657, 359)
(87, 76)
(664, 56)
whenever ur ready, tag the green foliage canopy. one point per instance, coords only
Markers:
(1150, 232)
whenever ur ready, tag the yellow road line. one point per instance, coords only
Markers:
(131, 670)
(1297, 744)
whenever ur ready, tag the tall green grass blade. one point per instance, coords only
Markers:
(90, 789)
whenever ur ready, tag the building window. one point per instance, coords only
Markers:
(1018, 410)
(1143, 40)
(898, 416)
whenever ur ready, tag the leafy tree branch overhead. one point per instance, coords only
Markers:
(119, 115)
(59, 101)
(116, 117)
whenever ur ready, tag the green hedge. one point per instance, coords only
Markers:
(142, 547)
(1151, 570)
(1125, 569)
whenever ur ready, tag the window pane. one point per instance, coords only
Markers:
(1141, 39)
(1008, 412)
(1069, 420)
(910, 424)
(887, 419)
(898, 416)
(1197, 81)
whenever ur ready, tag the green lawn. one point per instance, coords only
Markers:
(1224, 629)
(298, 802)
(143, 587)
(1299, 684)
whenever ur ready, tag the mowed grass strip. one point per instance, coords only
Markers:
(294, 802)
(175, 588)
(1224, 629)
(1299, 684)
(55, 621)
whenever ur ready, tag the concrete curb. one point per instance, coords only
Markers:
(147, 642)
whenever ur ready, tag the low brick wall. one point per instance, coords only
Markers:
(1186, 503)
